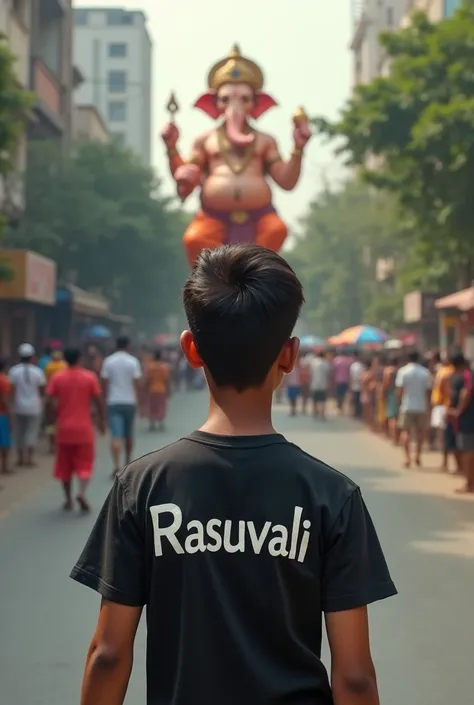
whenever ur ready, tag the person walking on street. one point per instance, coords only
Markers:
(292, 383)
(72, 393)
(391, 400)
(413, 383)
(28, 382)
(355, 381)
(342, 370)
(267, 538)
(121, 377)
(56, 364)
(5, 420)
(320, 371)
(461, 412)
(157, 390)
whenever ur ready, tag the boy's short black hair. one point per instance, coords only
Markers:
(242, 303)
(72, 356)
(414, 356)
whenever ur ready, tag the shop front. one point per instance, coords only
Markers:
(456, 321)
(76, 311)
(420, 318)
(26, 300)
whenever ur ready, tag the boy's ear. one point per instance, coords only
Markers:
(188, 346)
(289, 355)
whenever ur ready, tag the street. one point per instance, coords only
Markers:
(422, 639)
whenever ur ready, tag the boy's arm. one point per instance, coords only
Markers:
(355, 575)
(353, 678)
(110, 656)
(113, 564)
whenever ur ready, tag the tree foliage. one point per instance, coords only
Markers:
(419, 124)
(344, 237)
(100, 215)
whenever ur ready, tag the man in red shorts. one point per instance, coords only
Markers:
(73, 391)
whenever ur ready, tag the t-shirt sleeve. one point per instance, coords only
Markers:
(41, 377)
(355, 572)
(399, 379)
(104, 372)
(113, 560)
(137, 370)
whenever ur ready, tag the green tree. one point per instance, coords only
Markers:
(100, 215)
(342, 238)
(419, 124)
(13, 105)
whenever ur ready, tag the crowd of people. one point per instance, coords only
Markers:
(64, 396)
(417, 402)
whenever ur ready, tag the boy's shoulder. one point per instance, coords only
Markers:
(325, 481)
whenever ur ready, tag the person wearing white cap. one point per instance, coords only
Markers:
(27, 381)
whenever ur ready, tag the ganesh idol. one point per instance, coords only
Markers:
(232, 163)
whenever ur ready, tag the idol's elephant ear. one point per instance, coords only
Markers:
(263, 102)
(207, 103)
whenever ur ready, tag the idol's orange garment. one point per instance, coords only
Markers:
(207, 232)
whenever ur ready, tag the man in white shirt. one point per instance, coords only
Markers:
(121, 374)
(356, 371)
(413, 384)
(320, 370)
(28, 382)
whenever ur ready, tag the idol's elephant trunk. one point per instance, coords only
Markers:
(235, 122)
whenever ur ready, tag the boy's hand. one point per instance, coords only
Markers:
(353, 677)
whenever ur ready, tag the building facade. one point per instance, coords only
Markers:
(52, 74)
(113, 50)
(371, 17)
(88, 124)
(436, 10)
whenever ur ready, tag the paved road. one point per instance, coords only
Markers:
(423, 640)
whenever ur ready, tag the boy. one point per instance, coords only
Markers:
(73, 392)
(235, 539)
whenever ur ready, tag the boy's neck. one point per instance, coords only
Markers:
(234, 414)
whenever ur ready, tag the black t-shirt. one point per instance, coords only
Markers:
(236, 545)
(460, 380)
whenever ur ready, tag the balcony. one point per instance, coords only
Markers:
(49, 101)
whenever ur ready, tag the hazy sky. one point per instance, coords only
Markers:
(301, 45)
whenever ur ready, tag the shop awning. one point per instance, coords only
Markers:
(462, 300)
(82, 301)
(120, 318)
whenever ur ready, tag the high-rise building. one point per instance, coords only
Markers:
(113, 50)
(370, 18)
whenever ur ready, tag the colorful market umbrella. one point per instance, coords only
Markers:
(100, 332)
(311, 341)
(358, 335)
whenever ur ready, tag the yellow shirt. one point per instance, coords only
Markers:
(158, 374)
(437, 396)
(53, 367)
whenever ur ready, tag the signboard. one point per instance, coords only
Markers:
(419, 306)
(34, 277)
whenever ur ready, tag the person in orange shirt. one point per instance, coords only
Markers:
(56, 365)
(5, 419)
(440, 401)
(158, 387)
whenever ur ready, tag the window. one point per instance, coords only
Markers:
(450, 7)
(117, 111)
(80, 17)
(115, 17)
(117, 81)
(117, 50)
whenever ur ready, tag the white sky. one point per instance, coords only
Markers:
(301, 45)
